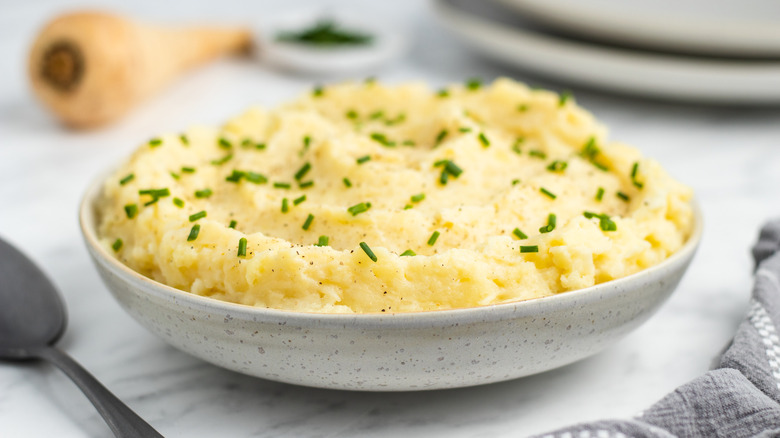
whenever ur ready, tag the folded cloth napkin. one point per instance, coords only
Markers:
(740, 397)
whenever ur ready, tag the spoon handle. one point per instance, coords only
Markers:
(121, 419)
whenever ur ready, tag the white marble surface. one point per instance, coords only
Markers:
(731, 157)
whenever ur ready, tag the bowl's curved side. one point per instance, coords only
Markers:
(452, 349)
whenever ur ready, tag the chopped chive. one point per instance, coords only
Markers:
(418, 197)
(590, 150)
(246, 143)
(522, 107)
(432, 239)
(376, 115)
(282, 185)
(363, 159)
(155, 142)
(464, 129)
(352, 114)
(600, 166)
(634, 170)
(564, 97)
(440, 136)
(131, 210)
(443, 177)
(548, 193)
(408, 207)
(205, 193)
(600, 194)
(199, 215)
(382, 139)
(551, 222)
(368, 251)
(222, 160)
(622, 196)
(519, 234)
(241, 247)
(452, 168)
(188, 170)
(605, 223)
(515, 182)
(408, 143)
(299, 199)
(443, 93)
(537, 154)
(473, 84)
(157, 193)
(184, 140)
(516, 145)
(285, 205)
(347, 182)
(178, 202)
(322, 241)
(117, 245)
(359, 208)
(126, 179)
(194, 231)
(224, 143)
(557, 166)
(260, 146)
(529, 248)
(256, 178)
(408, 253)
(398, 119)
(484, 140)
(233, 224)
(318, 91)
(306, 184)
(307, 223)
(235, 177)
(302, 171)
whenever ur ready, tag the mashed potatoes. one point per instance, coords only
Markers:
(368, 198)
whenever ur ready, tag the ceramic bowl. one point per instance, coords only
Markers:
(391, 352)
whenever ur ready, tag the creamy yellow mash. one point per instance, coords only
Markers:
(362, 197)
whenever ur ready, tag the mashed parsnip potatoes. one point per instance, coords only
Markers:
(362, 197)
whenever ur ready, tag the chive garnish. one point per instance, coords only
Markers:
(605, 223)
(622, 196)
(117, 245)
(260, 146)
(408, 253)
(443, 177)
(484, 140)
(376, 115)
(516, 145)
(299, 199)
(131, 210)
(347, 182)
(322, 241)
(557, 166)
(418, 197)
(551, 222)
(368, 251)
(408, 207)
(194, 231)
(634, 170)
(302, 171)
(235, 177)
(184, 140)
(473, 84)
(352, 114)
(363, 159)
(285, 205)
(317, 91)
(126, 179)
(452, 168)
(307, 223)
(359, 208)
(398, 119)
(178, 202)
(519, 234)
(548, 193)
(443, 93)
(246, 143)
(440, 136)
(515, 182)
(529, 248)
(188, 170)
(205, 193)
(382, 139)
(156, 194)
(241, 247)
(408, 143)
(600, 194)
(222, 160)
(600, 166)
(233, 224)
(282, 185)
(199, 215)
(537, 154)
(590, 150)
(224, 143)
(522, 107)
(464, 129)
(564, 97)
(306, 184)
(256, 178)
(155, 142)
(432, 239)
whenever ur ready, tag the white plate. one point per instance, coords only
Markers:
(498, 33)
(740, 28)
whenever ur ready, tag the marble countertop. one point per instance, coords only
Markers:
(731, 157)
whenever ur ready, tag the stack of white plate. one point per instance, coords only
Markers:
(689, 50)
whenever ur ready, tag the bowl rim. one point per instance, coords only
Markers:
(492, 312)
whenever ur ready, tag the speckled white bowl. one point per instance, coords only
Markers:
(391, 352)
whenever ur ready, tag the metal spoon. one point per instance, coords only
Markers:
(32, 318)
